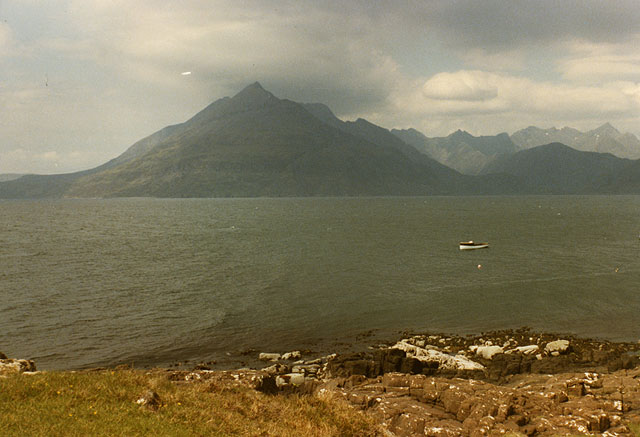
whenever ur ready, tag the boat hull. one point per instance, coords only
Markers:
(474, 246)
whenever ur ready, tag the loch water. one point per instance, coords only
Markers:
(91, 282)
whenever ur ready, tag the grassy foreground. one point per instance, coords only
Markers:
(103, 403)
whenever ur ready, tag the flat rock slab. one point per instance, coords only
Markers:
(544, 405)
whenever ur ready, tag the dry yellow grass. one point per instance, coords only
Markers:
(103, 403)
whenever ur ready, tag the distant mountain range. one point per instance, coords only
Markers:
(605, 139)
(254, 144)
(460, 150)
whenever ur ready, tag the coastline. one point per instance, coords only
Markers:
(513, 381)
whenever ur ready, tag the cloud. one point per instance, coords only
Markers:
(595, 63)
(491, 102)
(464, 85)
(302, 50)
(28, 160)
(5, 39)
(114, 67)
(496, 25)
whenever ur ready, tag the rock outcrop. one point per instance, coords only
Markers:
(541, 405)
(584, 403)
(495, 356)
(11, 366)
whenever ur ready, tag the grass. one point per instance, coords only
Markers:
(103, 403)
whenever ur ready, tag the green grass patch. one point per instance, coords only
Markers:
(103, 403)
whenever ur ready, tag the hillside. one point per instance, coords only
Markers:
(559, 169)
(257, 145)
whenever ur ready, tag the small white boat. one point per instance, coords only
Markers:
(470, 245)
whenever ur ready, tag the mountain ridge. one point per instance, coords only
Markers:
(254, 145)
(460, 150)
(603, 139)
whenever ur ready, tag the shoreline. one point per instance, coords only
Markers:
(510, 381)
(366, 342)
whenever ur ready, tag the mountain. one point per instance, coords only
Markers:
(460, 150)
(364, 129)
(604, 139)
(559, 169)
(255, 144)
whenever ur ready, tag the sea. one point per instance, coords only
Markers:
(155, 282)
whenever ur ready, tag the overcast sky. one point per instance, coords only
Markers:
(82, 80)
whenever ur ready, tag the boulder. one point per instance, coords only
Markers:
(445, 361)
(10, 366)
(293, 355)
(307, 369)
(486, 352)
(352, 364)
(524, 350)
(149, 399)
(264, 356)
(276, 369)
(290, 379)
(557, 347)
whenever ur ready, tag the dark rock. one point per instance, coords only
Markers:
(359, 367)
(412, 365)
(354, 381)
(576, 390)
(150, 400)
(352, 364)
(452, 400)
(614, 365)
(629, 361)
(389, 360)
(552, 365)
(266, 384)
(2, 356)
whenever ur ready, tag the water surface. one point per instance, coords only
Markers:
(155, 281)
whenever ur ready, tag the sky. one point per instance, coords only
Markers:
(82, 80)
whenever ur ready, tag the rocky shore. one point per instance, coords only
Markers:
(505, 382)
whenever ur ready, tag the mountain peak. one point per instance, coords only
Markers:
(606, 129)
(253, 95)
(460, 134)
(255, 85)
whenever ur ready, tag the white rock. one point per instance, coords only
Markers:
(268, 356)
(306, 369)
(293, 355)
(10, 365)
(525, 350)
(276, 368)
(445, 361)
(487, 352)
(560, 346)
(290, 378)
